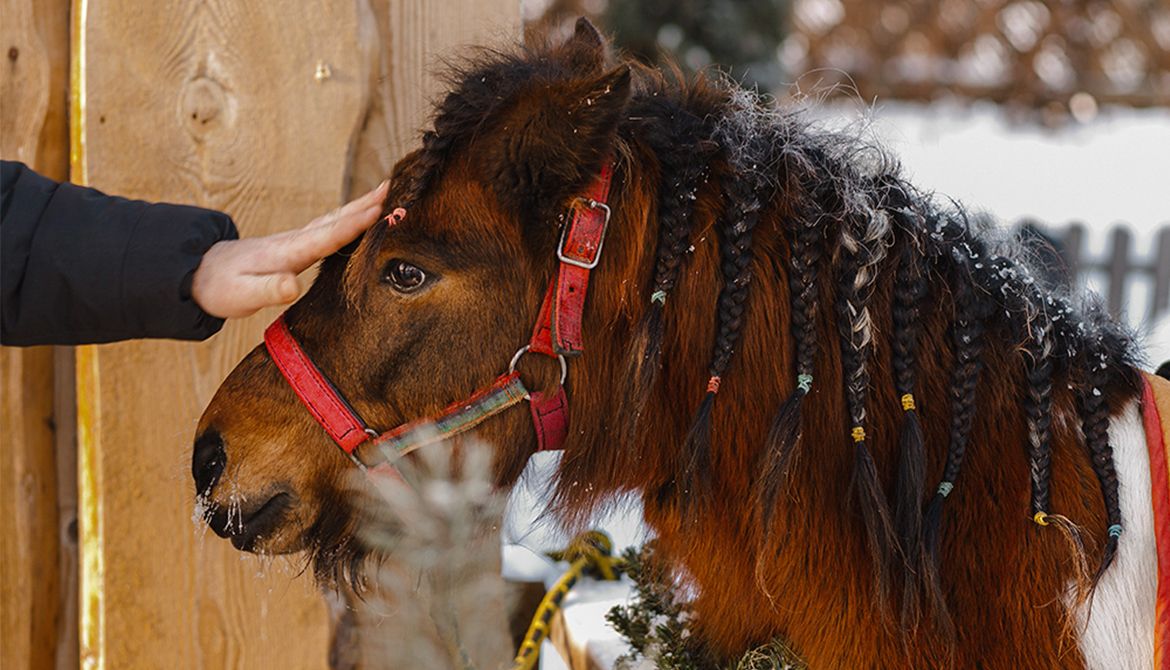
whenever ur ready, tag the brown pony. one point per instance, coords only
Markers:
(856, 420)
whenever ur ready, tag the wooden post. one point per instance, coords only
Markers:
(257, 109)
(248, 108)
(34, 62)
(1120, 241)
(1074, 243)
(1160, 298)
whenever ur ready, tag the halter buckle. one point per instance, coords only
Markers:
(577, 262)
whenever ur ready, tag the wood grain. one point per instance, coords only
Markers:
(416, 38)
(34, 67)
(65, 423)
(28, 505)
(216, 104)
(257, 109)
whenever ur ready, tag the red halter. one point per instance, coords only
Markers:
(557, 334)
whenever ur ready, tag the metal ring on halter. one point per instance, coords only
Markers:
(353, 456)
(524, 349)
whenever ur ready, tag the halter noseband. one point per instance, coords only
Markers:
(557, 334)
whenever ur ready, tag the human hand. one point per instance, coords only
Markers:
(239, 277)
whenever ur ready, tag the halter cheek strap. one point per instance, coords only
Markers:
(558, 328)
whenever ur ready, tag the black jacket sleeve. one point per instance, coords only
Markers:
(81, 267)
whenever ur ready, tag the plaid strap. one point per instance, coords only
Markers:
(506, 391)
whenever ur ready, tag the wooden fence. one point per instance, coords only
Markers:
(274, 112)
(1126, 277)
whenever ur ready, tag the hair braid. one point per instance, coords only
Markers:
(1095, 427)
(1038, 410)
(967, 334)
(748, 146)
(910, 480)
(805, 256)
(806, 250)
(862, 250)
(435, 149)
(454, 118)
(684, 150)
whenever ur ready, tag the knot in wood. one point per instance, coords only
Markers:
(204, 105)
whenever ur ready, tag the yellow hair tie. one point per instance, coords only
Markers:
(908, 402)
(1041, 518)
(858, 434)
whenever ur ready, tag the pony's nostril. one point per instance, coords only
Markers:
(208, 461)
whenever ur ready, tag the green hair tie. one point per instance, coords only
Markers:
(804, 382)
(658, 296)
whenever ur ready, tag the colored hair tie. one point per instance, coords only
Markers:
(804, 382)
(713, 384)
(858, 434)
(658, 296)
(1041, 518)
(945, 488)
(908, 402)
(394, 218)
(1115, 530)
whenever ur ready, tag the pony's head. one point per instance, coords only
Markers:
(430, 306)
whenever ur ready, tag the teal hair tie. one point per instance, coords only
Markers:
(1115, 530)
(804, 382)
(658, 296)
(945, 488)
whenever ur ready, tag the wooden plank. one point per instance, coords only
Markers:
(28, 505)
(252, 110)
(65, 422)
(218, 104)
(1160, 300)
(1074, 243)
(1120, 241)
(34, 45)
(415, 36)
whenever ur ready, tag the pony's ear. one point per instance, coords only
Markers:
(558, 142)
(585, 50)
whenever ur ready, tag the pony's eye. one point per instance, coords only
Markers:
(403, 276)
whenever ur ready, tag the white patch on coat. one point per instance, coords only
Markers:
(1119, 632)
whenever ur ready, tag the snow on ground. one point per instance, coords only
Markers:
(529, 531)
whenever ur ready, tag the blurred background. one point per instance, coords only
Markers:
(1050, 115)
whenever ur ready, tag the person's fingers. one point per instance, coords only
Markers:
(309, 245)
(281, 289)
(238, 277)
(370, 199)
(260, 291)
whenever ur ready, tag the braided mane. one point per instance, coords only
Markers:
(847, 323)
